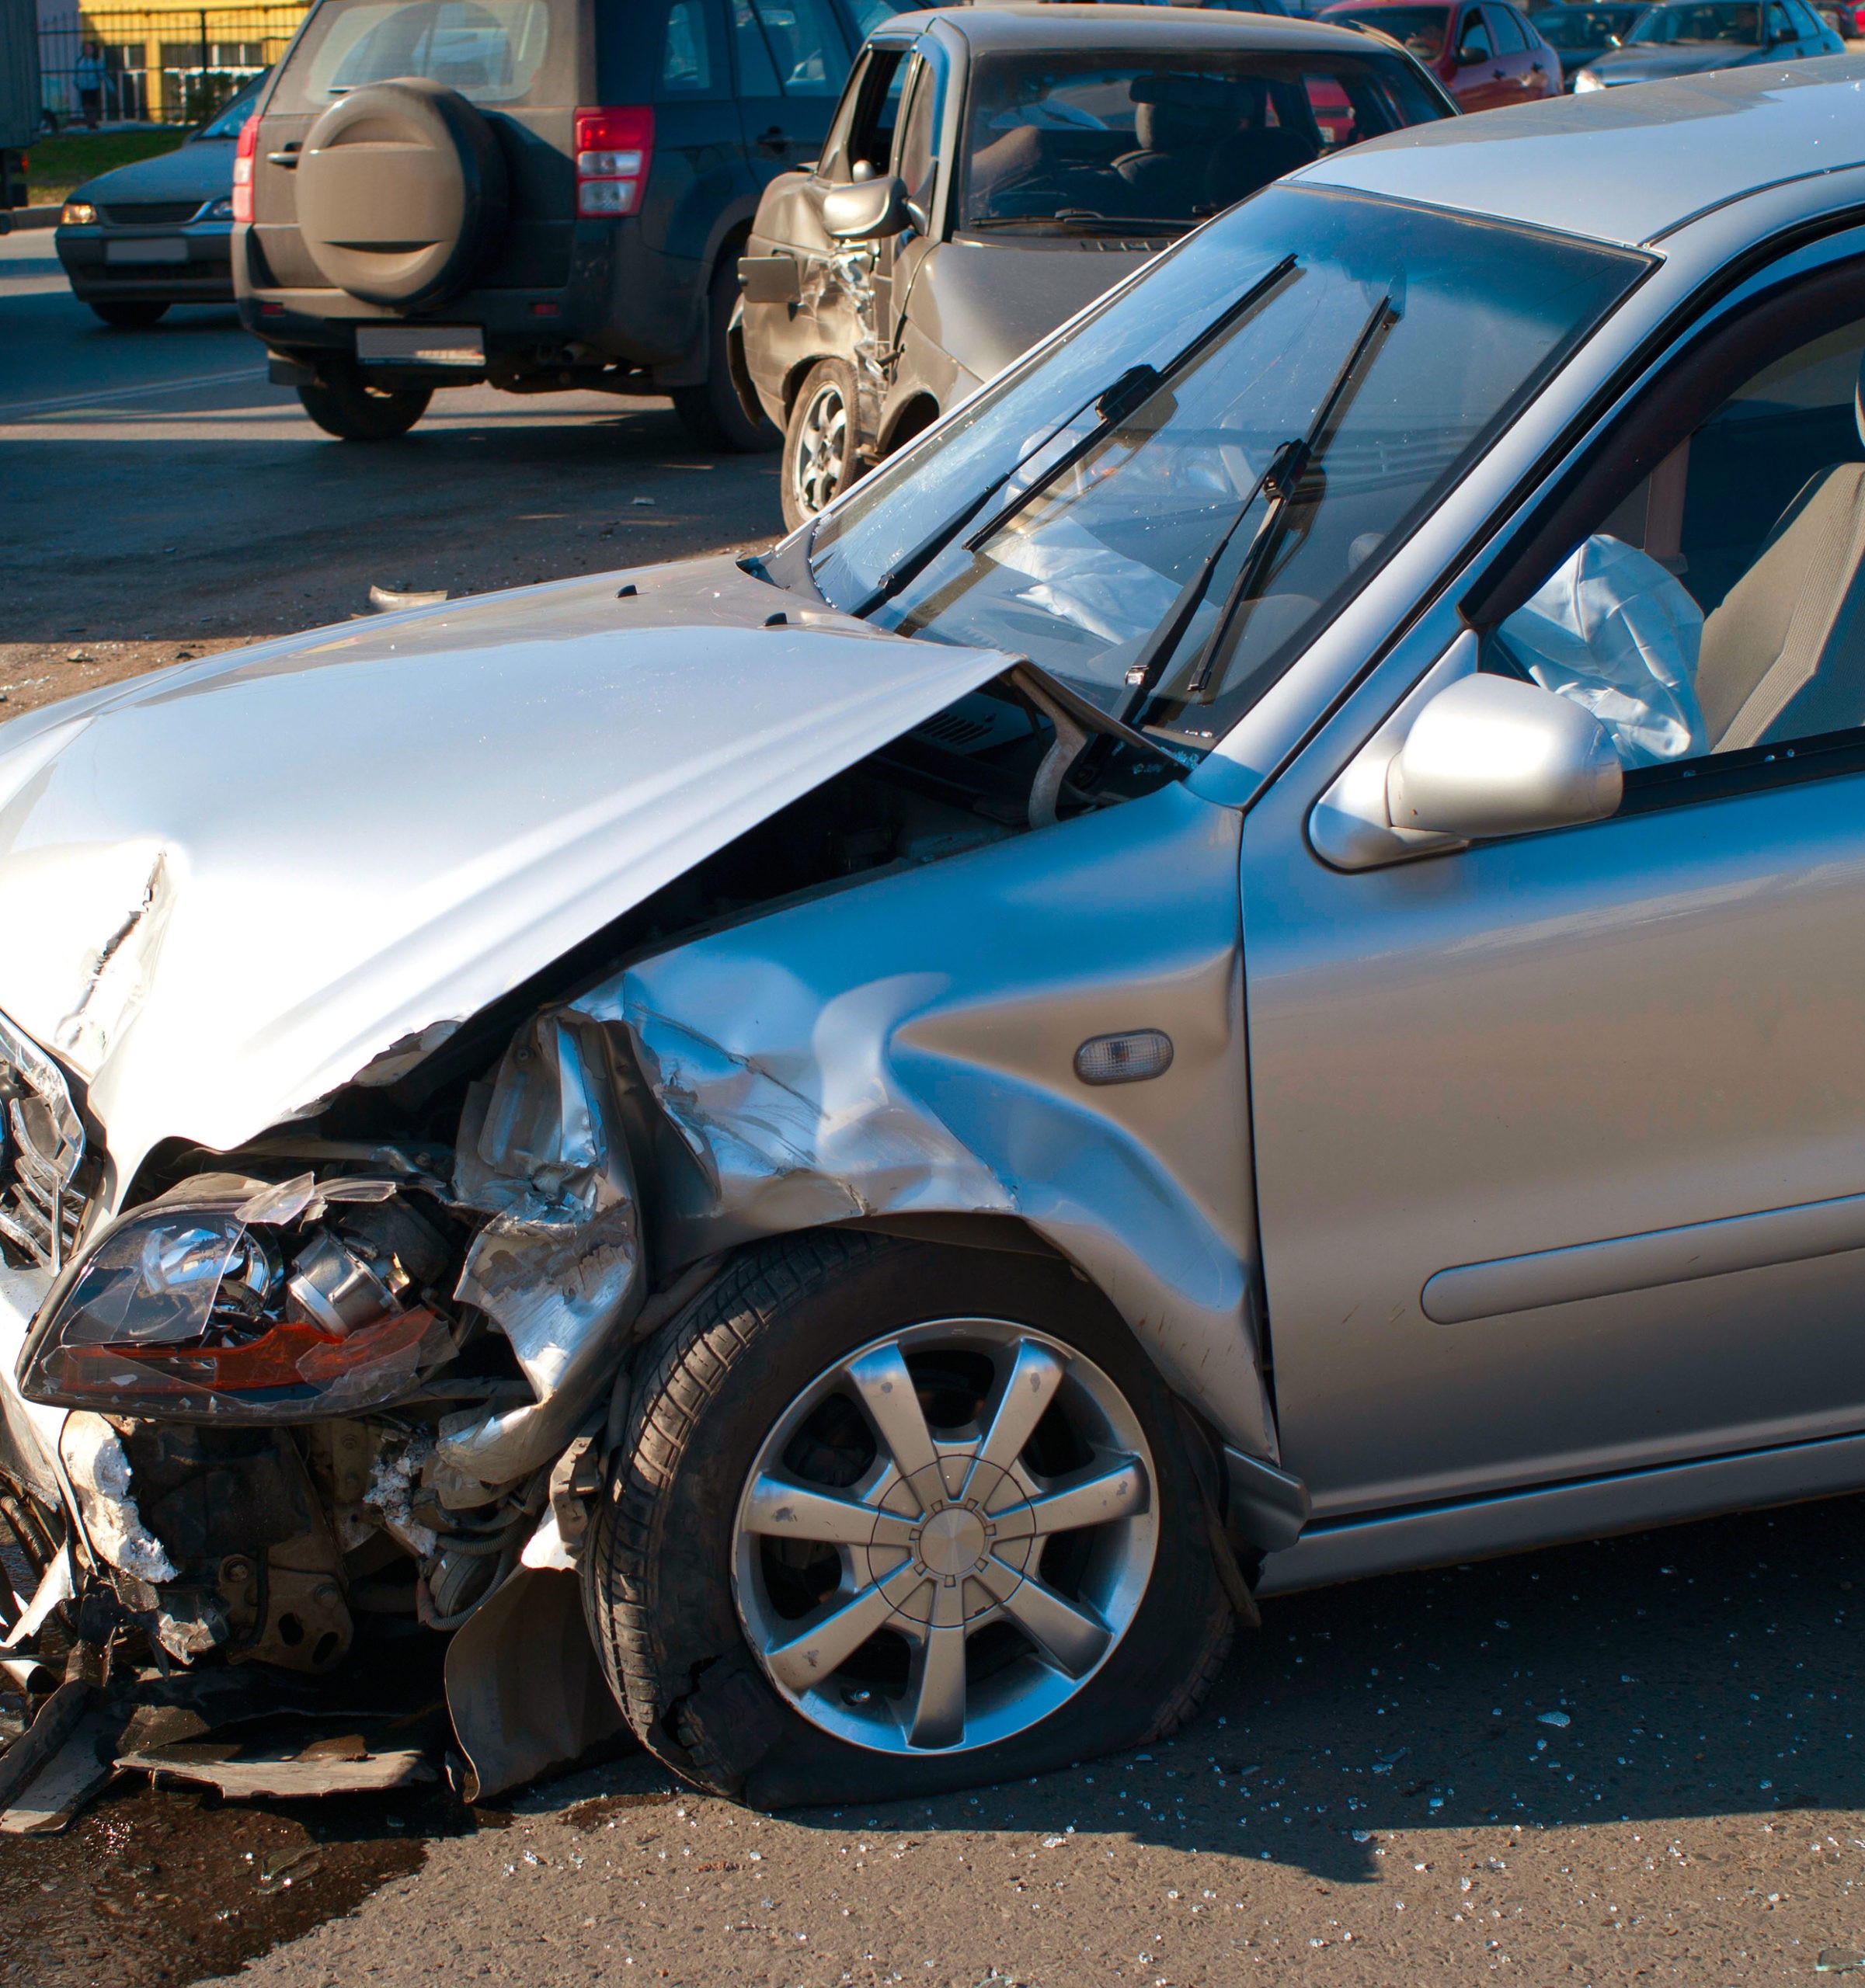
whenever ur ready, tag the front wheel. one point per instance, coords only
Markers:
(343, 403)
(890, 1519)
(822, 452)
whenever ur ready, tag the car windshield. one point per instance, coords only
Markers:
(1164, 137)
(1099, 492)
(239, 108)
(504, 52)
(1421, 28)
(1709, 21)
(1581, 30)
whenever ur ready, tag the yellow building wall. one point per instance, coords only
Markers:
(260, 33)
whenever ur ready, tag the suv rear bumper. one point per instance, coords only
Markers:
(624, 306)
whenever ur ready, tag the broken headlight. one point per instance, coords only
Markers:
(271, 1304)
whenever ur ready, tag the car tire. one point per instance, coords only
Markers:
(699, 1615)
(343, 403)
(128, 317)
(711, 412)
(822, 441)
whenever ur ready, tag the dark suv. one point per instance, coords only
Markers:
(535, 194)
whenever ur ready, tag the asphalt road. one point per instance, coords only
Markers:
(1631, 1761)
(156, 490)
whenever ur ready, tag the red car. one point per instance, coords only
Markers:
(1486, 54)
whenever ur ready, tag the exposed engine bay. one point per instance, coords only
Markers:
(345, 1381)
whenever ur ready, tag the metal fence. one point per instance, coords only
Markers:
(157, 65)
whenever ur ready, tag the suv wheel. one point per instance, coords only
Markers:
(890, 1519)
(712, 413)
(821, 449)
(343, 403)
(129, 316)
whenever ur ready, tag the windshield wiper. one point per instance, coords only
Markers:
(1287, 467)
(1123, 399)
(1113, 404)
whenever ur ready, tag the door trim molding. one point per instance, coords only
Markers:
(1620, 1264)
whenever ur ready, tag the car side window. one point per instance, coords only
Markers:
(691, 64)
(1779, 27)
(1510, 39)
(862, 134)
(756, 71)
(915, 157)
(1473, 44)
(1714, 617)
(806, 46)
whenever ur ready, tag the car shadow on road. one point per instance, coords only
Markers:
(1704, 1670)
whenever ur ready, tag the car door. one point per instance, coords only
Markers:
(1561, 1137)
(1542, 76)
(1510, 45)
(1477, 81)
(792, 58)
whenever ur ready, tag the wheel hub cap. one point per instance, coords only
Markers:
(866, 1601)
(951, 1543)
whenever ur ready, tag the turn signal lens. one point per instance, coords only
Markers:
(1127, 1059)
(243, 154)
(614, 149)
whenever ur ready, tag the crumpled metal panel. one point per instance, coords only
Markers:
(839, 286)
(577, 751)
(908, 1047)
(559, 1266)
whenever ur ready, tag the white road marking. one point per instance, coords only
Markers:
(10, 410)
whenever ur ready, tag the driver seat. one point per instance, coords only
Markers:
(1786, 648)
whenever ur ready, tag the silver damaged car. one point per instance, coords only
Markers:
(1246, 968)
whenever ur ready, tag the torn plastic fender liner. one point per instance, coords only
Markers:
(557, 1268)
(523, 1684)
(909, 1048)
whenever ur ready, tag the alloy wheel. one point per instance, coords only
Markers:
(822, 443)
(944, 1536)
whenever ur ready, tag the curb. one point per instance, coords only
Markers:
(26, 218)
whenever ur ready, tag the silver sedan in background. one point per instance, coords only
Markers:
(1246, 968)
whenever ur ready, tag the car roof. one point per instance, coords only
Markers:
(1043, 25)
(1627, 165)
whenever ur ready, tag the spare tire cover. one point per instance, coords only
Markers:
(401, 192)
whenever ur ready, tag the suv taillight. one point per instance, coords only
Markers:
(243, 155)
(614, 149)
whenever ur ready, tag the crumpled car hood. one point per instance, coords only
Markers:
(230, 887)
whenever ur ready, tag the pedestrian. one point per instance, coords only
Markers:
(88, 77)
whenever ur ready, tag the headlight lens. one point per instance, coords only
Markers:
(222, 209)
(76, 214)
(1586, 80)
(222, 1311)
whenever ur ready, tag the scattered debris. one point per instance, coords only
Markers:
(68, 1780)
(288, 1754)
(387, 600)
(1552, 1718)
(1839, 1960)
(278, 1870)
(58, 1718)
(601, 1810)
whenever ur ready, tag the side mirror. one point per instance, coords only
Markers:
(1489, 755)
(868, 210)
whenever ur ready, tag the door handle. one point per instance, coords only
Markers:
(288, 157)
(776, 141)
